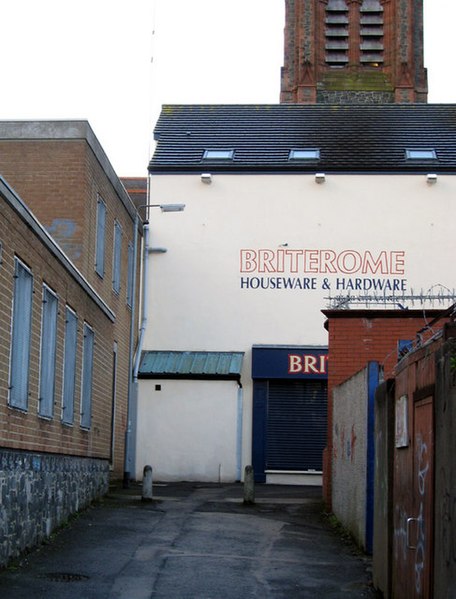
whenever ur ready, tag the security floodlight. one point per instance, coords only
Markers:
(172, 207)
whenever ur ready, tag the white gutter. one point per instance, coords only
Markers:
(144, 301)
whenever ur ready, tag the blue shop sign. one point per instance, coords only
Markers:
(290, 362)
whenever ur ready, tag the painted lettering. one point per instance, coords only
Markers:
(265, 261)
(248, 261)
(372, 264)
(326, 261)
(358, 284)
(397, 266)
(307, 364)
(304, 283)
(349, 262)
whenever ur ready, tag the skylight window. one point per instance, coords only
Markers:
(421, 154)
(304, 154)
(218, 154)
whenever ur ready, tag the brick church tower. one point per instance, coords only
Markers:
(353, 52)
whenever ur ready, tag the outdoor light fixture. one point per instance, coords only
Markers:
(170, 207)
(431, 178)
(206, 178)
(320, 177)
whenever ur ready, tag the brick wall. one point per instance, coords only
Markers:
(48, 469)
(304, 74)
(60, 180)
(25, 429)
(356, 337)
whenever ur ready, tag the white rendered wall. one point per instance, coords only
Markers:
(196, 299)
(187, 430)
(349, 458)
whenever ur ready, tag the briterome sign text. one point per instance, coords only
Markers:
(346, 262)
(325, 269)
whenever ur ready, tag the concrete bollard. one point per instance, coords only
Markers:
(249, 486)
(147, 484)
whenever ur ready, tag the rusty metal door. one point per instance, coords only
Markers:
(420, 523)
(414, 500)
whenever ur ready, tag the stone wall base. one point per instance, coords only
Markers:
(38, 492)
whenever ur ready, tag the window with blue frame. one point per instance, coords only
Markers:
(130, 275)
(87, 376)
(48, 352)
(69, 366)
(101, 237)
(116, 257)
(21, 336)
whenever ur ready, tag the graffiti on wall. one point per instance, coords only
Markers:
(420, 553)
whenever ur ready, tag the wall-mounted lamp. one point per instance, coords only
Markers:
(320, 177)
(171, 207)
(206, 178)
(431, 178)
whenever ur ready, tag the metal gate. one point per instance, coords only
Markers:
(289, 429)
(296, 425)
(413, 495)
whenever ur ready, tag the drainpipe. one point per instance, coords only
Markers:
(130, 432)
(240, 415)
(144, 302)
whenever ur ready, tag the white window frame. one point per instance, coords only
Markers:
(48, 352)
(21, 332)
(116, 257)
(100, 247)
(131, 267)
(69, 366)
(87, 376)
(218, 154)
(420, 154)
(304, 154)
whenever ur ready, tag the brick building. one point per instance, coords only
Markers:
(345, 52)
(58, 337)
(61, 171)
(70, 268)
(357, 337)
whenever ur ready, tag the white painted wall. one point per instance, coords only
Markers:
(196, 300)
(187, 430)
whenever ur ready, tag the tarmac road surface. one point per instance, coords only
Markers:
(195, 541)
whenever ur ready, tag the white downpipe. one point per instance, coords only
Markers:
(240, 416)
(130, 431)
(144, 301)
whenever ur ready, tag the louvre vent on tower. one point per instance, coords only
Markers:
(345, 52)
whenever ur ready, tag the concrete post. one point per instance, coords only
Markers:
(249, 486)
(147, 484)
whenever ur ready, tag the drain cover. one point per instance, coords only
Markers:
(64, 576)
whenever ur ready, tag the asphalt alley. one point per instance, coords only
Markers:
(195, 541)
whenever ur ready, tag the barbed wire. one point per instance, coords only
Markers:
(403, 301)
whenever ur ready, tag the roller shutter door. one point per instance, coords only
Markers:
(296, 424)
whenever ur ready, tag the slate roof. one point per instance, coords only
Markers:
(191, 365)
(351, 138)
